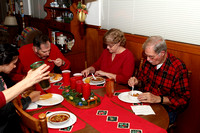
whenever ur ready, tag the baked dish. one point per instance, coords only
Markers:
(97, 80)
(46, 96)
(59, 118)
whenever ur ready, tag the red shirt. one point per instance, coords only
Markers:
(122, 65)
(2, 100)
(170, 80)
(27, 57)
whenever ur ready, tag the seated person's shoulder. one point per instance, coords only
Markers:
(177, 63)
(25, 47)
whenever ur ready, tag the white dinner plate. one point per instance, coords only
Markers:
(94, 83)
(55, 99)
(71, 121)
(124, 97)
(54, 81)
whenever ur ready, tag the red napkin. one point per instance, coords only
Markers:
(77, 126)
(100, 122)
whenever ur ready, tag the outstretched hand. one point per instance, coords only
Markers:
(35, 76)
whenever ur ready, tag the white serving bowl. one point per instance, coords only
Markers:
(132, 95)
(56, 118)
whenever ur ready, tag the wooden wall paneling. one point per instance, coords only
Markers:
(77, 62)
(92, 46)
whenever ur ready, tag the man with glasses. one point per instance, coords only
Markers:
(40, 50)
(163, 78)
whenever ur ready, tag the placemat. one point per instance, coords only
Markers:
(109, 117)
(77, 126)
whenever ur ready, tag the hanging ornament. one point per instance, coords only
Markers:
(81, 11)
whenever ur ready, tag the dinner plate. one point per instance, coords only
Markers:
(71, 121)
(94, 83)
(53, 81)
(55, 99)
(124, 97)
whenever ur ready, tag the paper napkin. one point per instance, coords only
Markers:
(32, 106)
(143, 110)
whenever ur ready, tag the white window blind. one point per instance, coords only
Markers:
(94, 12)
(177, 20)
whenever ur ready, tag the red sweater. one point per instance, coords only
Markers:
(122, 65)
(28, 57)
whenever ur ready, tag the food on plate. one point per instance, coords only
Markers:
(87, 80)
(52, 74)
(46, 96)
(57, 76)
(59, 118)
(135, 94)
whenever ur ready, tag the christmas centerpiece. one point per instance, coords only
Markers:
(76, 99)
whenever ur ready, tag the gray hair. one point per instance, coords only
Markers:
(158, 42)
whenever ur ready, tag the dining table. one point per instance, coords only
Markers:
(88, 120)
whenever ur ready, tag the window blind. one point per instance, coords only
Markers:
(177, 20)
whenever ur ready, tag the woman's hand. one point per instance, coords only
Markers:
(108, 75)
(87, 71)
(35, 96)
(132, 81)
(35, 76)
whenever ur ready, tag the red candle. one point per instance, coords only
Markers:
(73, 82)
(86, 91)
(79, 84)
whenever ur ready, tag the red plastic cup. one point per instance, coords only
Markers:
(86, 91)
(110, 87)
(73, 82)
(66, 76)
(79, 84)
(79, 76)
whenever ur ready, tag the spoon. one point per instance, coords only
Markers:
(132, 89)
(94, 76)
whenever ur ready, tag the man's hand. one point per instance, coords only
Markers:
(148, 97)
(59, 62)
(132, 81)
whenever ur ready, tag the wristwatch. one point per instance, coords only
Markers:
(161, 101)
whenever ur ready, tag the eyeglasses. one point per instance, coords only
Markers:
(110, 45)
(151, 56)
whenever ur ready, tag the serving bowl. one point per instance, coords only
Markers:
(97, 80)
(132, 95)
(59, 118)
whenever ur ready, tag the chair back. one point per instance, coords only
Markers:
(28, 123)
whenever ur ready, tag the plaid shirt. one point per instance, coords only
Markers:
(170, 80)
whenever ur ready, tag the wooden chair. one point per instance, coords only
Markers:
(138, 66)
(28, 123)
